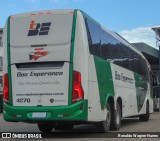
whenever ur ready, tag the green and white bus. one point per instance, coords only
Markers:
(62, 68)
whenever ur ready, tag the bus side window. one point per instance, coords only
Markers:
(106, 46)
(93, 33)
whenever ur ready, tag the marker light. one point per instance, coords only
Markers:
(38, 48)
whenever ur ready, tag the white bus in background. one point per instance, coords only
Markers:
(62, 68)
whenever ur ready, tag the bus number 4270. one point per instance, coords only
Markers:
(23, 100)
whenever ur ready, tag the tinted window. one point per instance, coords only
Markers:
(143, 68)
(104, 45)
(126, 58)
(108, 47)
(135, 62)
(93, 31)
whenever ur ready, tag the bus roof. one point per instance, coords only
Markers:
(35, 13)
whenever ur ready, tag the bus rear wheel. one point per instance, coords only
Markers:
(116, 117)
(45, 128)
(104, 126)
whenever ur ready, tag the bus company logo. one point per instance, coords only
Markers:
(38, 29)
(37, 55)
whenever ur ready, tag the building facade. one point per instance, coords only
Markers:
(1, 61)
(152, 55)
(1, 69)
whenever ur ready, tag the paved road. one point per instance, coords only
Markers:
(89, 131)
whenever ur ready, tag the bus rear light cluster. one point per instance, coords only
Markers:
(6, 89)
(77, 91)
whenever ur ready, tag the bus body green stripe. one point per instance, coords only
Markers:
(73, 35)
(71, 57)
(9, 60)
(105, 80)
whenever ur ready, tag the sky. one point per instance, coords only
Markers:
(132, 19)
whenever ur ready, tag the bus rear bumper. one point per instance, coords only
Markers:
(74, 112)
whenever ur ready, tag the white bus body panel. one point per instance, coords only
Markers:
(84, 63)
(58, 40)
(48, 89)
(95, 113)
(5, 62)
(51, 86)
(81, 52)
(126, 90)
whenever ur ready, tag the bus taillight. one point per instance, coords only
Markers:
(6, 89)
(77, 92)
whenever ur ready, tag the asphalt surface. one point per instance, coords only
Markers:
(90, 132)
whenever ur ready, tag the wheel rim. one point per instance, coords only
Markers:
(118, 116)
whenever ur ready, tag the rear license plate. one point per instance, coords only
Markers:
(39, 115)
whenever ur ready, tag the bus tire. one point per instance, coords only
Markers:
(45, 128)
(104, 126)
(145, 117)
(63, 126)
(116, 117)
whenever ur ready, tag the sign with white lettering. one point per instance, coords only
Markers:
(41, 87)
